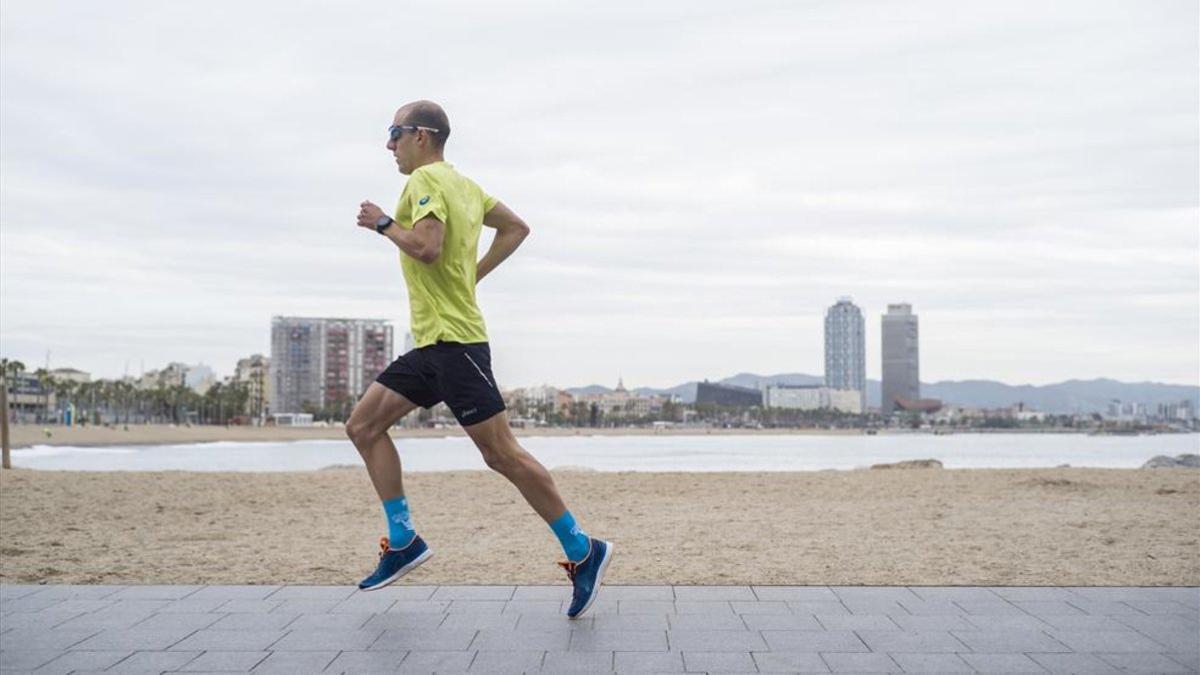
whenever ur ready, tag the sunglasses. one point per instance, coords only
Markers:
(395, 130)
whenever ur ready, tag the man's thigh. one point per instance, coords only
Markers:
(380, 408)
(492, 434)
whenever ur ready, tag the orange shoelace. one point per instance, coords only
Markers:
(570, 567)
(383, 545)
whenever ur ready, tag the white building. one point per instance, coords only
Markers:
(797, 397)
(812, 397)
(846, 400)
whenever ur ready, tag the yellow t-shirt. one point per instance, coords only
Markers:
(441, 295)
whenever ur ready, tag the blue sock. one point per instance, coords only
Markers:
(400, 529)
(574, 541)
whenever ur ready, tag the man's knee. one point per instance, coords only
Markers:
(499, 456)
(362, 431)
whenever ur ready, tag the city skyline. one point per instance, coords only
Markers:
(1024, 173)
(840, 334)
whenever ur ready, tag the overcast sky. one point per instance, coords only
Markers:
(702, 180)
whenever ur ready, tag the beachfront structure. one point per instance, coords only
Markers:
(70, 375)
(796, 396)
(254, 372)
(199, 378)
(319, 362)
(812, 397)
(900, 357)
(174, 375)
(847, 401)
(622, 403)
(726, 395)
(846, 349)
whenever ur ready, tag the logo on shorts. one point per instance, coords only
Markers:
(424, 200)
(472, 411)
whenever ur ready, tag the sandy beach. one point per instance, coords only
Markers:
(26, 435)
(916, 527)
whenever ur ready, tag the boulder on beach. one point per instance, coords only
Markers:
(1179, 462)
(911, 464)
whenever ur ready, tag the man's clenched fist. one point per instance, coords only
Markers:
(368, 215)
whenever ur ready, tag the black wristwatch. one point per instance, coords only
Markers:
(383, 223)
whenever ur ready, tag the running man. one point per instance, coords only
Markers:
(436, 227)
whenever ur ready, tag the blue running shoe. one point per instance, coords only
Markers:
(587, 575)
(394, 564)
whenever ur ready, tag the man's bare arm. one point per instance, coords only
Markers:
(510, 232)
(423, 241)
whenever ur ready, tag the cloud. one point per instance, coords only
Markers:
(702, 180)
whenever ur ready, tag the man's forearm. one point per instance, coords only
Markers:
(407, 240)
(505, 242)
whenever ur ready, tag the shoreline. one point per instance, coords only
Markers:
(29, 435)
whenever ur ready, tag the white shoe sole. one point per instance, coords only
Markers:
(608, 552)
(403, 570)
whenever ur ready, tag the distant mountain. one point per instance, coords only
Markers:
(590, 390)
(1063, 397)
(1071, 396)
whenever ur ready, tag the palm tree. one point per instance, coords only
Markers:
(45, 381)
(65, 390)
(8, 370)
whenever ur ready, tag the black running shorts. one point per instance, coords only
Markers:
(457, 373)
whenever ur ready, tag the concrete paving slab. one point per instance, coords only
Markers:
(1002, 663)
(622, 640)
(152, 662)
(366, 662)
(295, 662)
(714, 593)
(931, 663)
(861, 663)
(1074, 663)
(1144, 663)
(433, 660)
(648, 662)
(492, 639)
(790, 662)
(474, 593)
(70, 662)
(507, 661)
(578, 662)
(225, 660)
(814, 641)
(719, 661)
(782, 622)
(718, 640)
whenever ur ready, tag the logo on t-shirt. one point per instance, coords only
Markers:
(424, 200)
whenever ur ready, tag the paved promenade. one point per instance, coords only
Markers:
(631, 629)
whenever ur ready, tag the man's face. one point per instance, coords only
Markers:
(403, 148)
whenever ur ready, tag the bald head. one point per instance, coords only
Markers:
(426, 114)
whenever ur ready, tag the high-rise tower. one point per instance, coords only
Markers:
(846, 348)
(901, 375)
